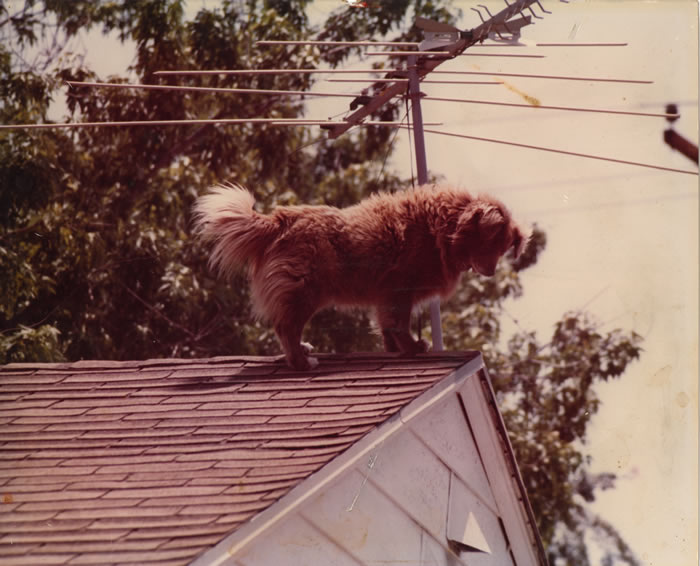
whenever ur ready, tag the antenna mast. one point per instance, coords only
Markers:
(446, 42)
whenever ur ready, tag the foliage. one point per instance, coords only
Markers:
(548, 400)
(97, 261)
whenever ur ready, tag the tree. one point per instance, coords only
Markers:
(97, 261)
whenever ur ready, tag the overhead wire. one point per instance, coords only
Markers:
(440, 99)
(390, 148)
(561, 151)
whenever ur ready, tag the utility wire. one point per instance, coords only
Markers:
(389, 150)
(561, 151)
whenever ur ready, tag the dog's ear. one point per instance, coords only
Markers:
(474, 219)
(489, 221)
(467, 224)
(479, 224)
(464, 234)
(519, 242)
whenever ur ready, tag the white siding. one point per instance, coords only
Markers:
(372, 529)
(412, 475)
(293, 543)
(434, 554)
(446, 431)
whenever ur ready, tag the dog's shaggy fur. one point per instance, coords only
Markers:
(390, 252)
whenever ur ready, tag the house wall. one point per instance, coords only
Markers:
(396, 505)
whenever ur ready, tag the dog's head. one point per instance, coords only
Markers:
(485, 231)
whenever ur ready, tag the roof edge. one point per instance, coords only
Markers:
(509, 455)
(154, 362)
(287, 504)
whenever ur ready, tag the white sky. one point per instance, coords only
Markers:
(622, 240)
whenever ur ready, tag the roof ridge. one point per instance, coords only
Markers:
(216, 360)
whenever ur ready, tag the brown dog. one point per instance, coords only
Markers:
(390, 251)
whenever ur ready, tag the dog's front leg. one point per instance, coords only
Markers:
(394, 319)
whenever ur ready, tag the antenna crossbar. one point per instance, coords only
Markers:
(443, 54)
(194, 72)
(553, 77)
(546, 107)
(208, 89)
(395, 70)
(425, 64)
(337, 43)
(449, 54)
(385, 80)
(581, 44)
(428, 81)
(369, 43)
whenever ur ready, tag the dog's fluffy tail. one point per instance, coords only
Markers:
(225, 217)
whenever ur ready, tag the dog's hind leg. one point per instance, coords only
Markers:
(296, 352)
(286, 296)
(289, 327)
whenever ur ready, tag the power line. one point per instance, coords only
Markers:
(563, 152)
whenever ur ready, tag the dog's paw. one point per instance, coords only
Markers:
(412, 347)
(304, 363)
(308, 348)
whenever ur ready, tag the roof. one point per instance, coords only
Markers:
(156, 461)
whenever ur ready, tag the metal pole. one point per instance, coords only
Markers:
(419, 141)
(422, 169)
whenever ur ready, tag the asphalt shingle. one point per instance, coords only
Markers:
(156, 461)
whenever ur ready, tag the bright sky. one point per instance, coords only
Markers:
(622, 240)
